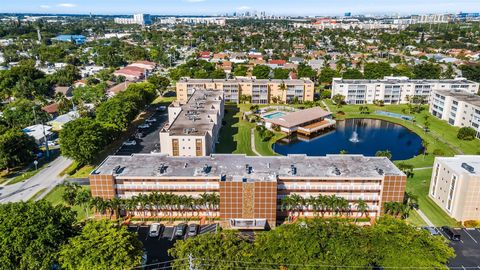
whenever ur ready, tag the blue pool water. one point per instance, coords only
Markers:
(357, 136)
(274, 115)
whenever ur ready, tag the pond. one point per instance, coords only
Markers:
(356, 136)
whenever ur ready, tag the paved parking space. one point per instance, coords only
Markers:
(157, 247)
(467, 250)
(151, 139)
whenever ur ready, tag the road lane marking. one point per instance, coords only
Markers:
(470, 236)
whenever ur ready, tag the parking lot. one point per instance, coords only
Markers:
(157, 247)
(467, 249)
(151, 139)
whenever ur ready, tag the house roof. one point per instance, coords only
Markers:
(119, 88)
(51, 108)
(299, 117)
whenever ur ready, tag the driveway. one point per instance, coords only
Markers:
(46, 180)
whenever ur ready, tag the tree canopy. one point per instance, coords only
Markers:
(31, 234)
(311, 244)
(101, 245)
(16, 149)
(261, 72)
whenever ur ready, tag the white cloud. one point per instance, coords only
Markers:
(195, 1)
(244, 8)
(67, 5)
(44, 6)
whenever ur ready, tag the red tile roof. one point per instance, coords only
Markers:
(52, 108)
(277, 62)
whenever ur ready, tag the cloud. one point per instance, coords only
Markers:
(67, 5)
(195, 1)
(244, 8)
(44, 6)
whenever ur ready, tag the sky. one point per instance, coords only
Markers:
(214, 7)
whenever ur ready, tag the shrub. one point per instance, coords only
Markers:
(471, 223)
(466, 133)
(438, 152)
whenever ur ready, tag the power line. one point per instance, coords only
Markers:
(157, 263)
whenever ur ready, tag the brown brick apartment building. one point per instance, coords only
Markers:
(251, 188)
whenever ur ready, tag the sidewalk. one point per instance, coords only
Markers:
(252, 141)
(425, 218)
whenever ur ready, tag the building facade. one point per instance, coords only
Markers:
(141, 19)
(455, 186)
(260, 91)
(458, 108)
(251, 188)
(396, 90)
(193, 126)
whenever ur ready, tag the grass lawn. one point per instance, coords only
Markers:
(84, 172)
(55, 197)
(235, 133)
(415, 219)
(419, 185)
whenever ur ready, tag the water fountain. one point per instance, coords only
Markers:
(354, 138)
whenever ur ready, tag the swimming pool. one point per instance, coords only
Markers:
(274, 115)
(395, 115)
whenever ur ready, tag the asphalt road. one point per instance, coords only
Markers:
(45, 179)
(467, 250)
(149, 142)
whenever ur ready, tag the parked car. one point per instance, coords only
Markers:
(180, 230)
(452, 234)
(130, 142)
(140, 134)
(193, 229)
(155, 230)
(161, 108)
(51, 144)
(431, 230)
(151, 120)
(144, 125)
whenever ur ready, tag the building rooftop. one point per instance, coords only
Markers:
(456, 163)
(396, 80)
(299, 117)
(245, 80)
(473, 99)
(237, 167)
(198, 115)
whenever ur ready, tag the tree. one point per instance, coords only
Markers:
(83, 139)
(377, 70)
(326, 75)
(161, 83)
(427, 71)
(66, 76)
(385, 153)
(352, 73)
(304, 71)
(101, 245)
(22, 113)
(16, 149)
(466, 133)
(261, 72)
(240, 70)
(338, 99)
(32, 233)
(281, 73)
(89, 93)
(471, 72)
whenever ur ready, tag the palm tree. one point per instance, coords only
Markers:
(424, 145)
(362, 208)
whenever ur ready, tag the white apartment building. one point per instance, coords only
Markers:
(141, 19)
(455, 186)
(395, 90)
(433, 18)
(458, 108)
(193, 126)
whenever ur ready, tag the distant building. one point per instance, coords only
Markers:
(77, 39)
(395, 90)
(58, 122)
(140, 19)
(455, 186)
(433, 18)
(131, 73)
(458, 108)
(193, 126)
(39, 133)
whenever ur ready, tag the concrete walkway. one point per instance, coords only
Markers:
(422, 168)
(252, 142)
(326, 106)
(425, 218)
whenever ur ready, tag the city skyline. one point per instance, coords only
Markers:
(215, 7)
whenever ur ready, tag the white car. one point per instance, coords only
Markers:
(130, 143)
(154, 230)
(145, 125)
(161, 108)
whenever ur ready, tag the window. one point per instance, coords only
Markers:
(435, 180)
(451, 193)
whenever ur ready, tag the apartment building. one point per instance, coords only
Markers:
(458, 108)
(455, 186)
(251, 187)
(141, 19)
(261, 91)
(395, 90)
(193, 126)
